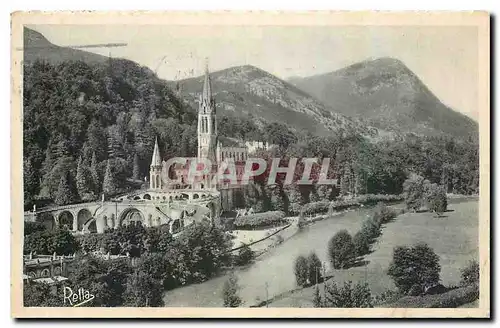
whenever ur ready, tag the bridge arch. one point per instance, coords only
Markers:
(83, 217)
(147, 196)
(48, 220)
(131, 215)
(66, 219)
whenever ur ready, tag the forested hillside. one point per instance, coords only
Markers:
(77, 116)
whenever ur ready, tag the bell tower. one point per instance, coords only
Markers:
(207, 127)
(155, 168)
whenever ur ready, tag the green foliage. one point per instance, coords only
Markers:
(317, 300)
(32, 227)
(271, 218)
(73, 109)
(142, 290)
(470, 274)
(66, 191)
(84, 183)
(109, 185)
(314, 268)
(45, 242)
(348, 296)
(451, 299)
(230, 292)
(362, 242)
(414, 191)
(414, 268)
(341, 250)
(245, 255)
(105, 279)
(436, 199)
(41, 295)
(301, 271)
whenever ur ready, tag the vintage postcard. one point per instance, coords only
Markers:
(250, 164)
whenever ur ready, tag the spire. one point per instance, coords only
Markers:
(207, 88)
(156, 160)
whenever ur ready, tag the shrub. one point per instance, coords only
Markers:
(361, 243)
(301, 271)
(451, 299)
(348, 296)
(271, 218)
(31, 227)
(245, 255)
(230, 292)
(314, 267)
(470, 274)
(414, 191)
(414, 268)
(436, 199)
(341, 250)
(383, 214)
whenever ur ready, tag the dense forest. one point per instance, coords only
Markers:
(90, 129)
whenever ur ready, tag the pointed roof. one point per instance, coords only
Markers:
(156, 160)
(207, 88)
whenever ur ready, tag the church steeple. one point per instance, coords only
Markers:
(155, 168)
(207, 127)
(156, 160)
(207, 87)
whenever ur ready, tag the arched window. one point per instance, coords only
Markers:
(158, 182)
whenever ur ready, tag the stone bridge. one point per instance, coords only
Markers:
(175, 208)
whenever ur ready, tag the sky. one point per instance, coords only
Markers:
(445, 58)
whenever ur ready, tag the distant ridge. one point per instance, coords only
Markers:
(386, 94)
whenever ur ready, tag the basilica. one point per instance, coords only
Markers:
(210, 147)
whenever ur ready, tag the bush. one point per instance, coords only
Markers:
(348, 296)
(451, 299)
(230, 292)
(301, 271)
(341, 250)
(31, 227)
(314, 267)
(414, 268)
(271, 218)
(414, 191)
(245, 255)
(470, 274)
(60, 241)
(361, 243)
(436, 199)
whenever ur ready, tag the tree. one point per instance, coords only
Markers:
(136, 173)
(341, 250)
(348, 296)
(40, 295)
(414, 191)
(109, 185)
(94, 172)
(470, 274)
(230, 292)
(84, 181)
(362, 243)
(62, 242)
(317, 301)
(414, 268)
(436, 199)
(143, 291)
(314, 267)
(66, 192)
(301, 271)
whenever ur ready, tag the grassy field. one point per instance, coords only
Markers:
(454, 237)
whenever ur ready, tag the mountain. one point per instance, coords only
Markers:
(248, 90)
(36, 46)
(386, 94)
